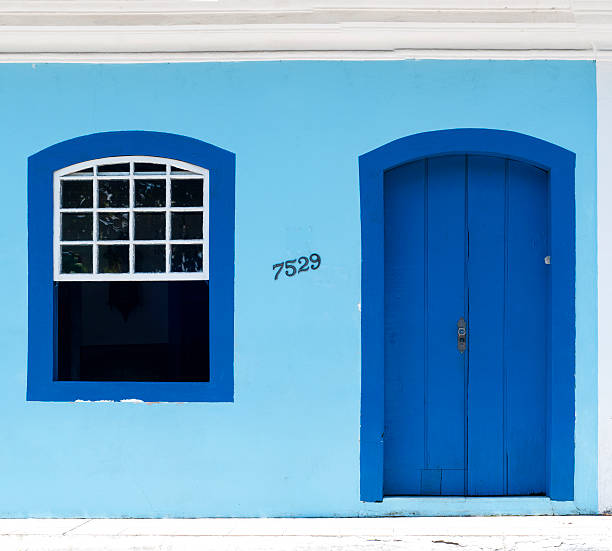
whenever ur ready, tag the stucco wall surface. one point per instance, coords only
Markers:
(289, 444)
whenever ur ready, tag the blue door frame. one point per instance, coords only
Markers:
(560, 165)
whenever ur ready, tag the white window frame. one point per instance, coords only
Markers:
(196, 173)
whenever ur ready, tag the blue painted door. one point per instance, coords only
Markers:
(465, 237)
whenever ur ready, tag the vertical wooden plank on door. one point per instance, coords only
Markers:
(404, 204)
(444, 365)
(486, 277)
(525, 346)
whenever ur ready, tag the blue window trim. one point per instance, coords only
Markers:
(560, 164)
(41, 301)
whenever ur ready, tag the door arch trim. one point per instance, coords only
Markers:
(560, 165)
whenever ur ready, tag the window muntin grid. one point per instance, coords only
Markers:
(101, 210)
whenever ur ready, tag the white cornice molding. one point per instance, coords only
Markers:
(190, 30)
(282, 6)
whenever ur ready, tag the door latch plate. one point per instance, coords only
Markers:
(461, 335)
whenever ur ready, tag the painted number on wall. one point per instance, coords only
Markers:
(297, 265)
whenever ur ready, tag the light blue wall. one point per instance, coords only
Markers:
(289, 444)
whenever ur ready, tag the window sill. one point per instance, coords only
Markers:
(113, 391)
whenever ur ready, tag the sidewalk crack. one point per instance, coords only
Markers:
(77, 526)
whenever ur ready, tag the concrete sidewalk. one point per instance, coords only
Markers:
(418, 533)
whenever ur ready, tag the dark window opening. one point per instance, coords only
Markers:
(133, 331)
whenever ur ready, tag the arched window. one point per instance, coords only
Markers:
(131, 218)
(130, 286)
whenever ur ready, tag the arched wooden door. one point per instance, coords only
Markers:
(466, 296)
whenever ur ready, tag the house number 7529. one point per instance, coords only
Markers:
(297, 265)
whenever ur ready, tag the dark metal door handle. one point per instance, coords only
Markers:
(461, 335)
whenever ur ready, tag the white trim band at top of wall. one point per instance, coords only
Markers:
(233, 30)
(117, 47)
(305, 55)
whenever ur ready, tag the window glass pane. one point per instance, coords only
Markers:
(133, 331)
(154, 168)
(186, 258)
(177, 170)
(77, 195)
(77, 227)
(150, 225)
(150, 258)
(113, 193)
(76, 259)
(187, 193)
(150, 193)
(186, 225)
(83, 172)
(113, 226)
(119, 168)
(113, 259)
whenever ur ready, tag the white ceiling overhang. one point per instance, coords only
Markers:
(125, 30)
